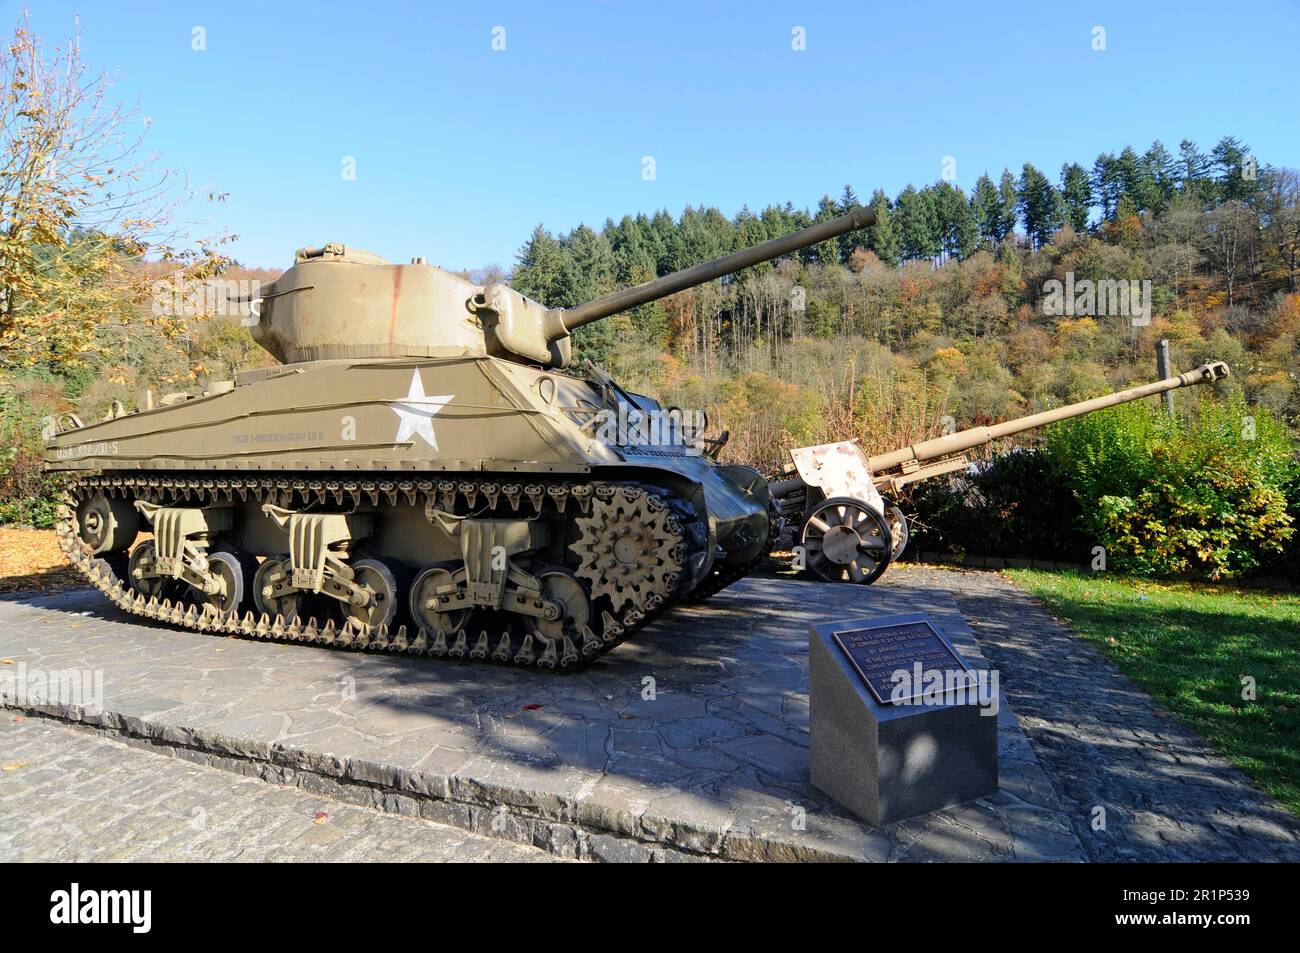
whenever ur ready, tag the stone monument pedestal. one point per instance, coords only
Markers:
(889, 760)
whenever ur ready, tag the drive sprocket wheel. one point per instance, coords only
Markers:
(630, 548)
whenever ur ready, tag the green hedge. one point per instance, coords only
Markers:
(1201, 497)
(1212, 495)
(1014, 504)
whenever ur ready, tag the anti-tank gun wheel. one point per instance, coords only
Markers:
(846, 540)
(899, 532)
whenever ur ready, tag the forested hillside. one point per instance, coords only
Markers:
(938, 309)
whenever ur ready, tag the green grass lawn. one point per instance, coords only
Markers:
(1189, 646)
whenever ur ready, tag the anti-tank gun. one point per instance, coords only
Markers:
(839, 501)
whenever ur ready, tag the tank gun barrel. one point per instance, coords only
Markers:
(963, 440)
(560, 321)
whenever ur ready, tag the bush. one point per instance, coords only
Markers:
(27, 493)
(1202, 497)
(1014, 504)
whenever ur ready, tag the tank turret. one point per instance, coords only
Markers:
(338, 302)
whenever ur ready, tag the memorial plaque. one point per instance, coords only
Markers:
(888, 761)
(878, 651)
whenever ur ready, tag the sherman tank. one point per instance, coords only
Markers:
(419, 474)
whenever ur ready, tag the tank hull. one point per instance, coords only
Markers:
(482, 498)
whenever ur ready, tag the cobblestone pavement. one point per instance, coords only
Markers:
(1103, 742)
(69, 794)
(690, 740)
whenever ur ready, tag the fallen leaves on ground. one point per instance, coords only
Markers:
(30, 560)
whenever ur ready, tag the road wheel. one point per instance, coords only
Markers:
(141, 577)
(425, 590)
(387, 581)
(236, 571)
(293, 604)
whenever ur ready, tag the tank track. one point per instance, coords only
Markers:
(502, 647)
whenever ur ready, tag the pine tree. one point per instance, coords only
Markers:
(1194, 168)
(855, 239)
(1107, 184)
(1076, 195)
(540, 269)
(1228, 160)
(827, 252)
(987, 210)
(1010, 204)
(1163, 169)
(958, 233)
(882, 237)
(918, 224)
(1040, 204)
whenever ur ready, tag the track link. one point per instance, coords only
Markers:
(503, 647)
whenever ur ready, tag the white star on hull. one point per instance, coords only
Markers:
(415, 413)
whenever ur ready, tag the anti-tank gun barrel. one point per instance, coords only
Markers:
(561, 321)
(899, 467)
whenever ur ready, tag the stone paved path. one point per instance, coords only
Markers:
(1167, 795)
(691, 739)
(712, 765)
(68, 794)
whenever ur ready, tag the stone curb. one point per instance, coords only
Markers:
(562, 825)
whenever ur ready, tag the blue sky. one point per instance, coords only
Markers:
(460, 150)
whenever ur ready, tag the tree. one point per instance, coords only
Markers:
(1228, 159)
(1137, 180)
(1280, 189)
(1107, 183)
(1163, 168)
(1010, 204)
(882, 237)
(987, 210)
(1194, 167)
(918, 224)
(1076, 195)
(1040, 204)
(1231, 231)
(540, 270)
(958, 233)
(854, 240)
(81, 203)
(827, 252)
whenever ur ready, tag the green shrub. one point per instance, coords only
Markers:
(27, 493)
(1014, 504)
(1205, 496)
